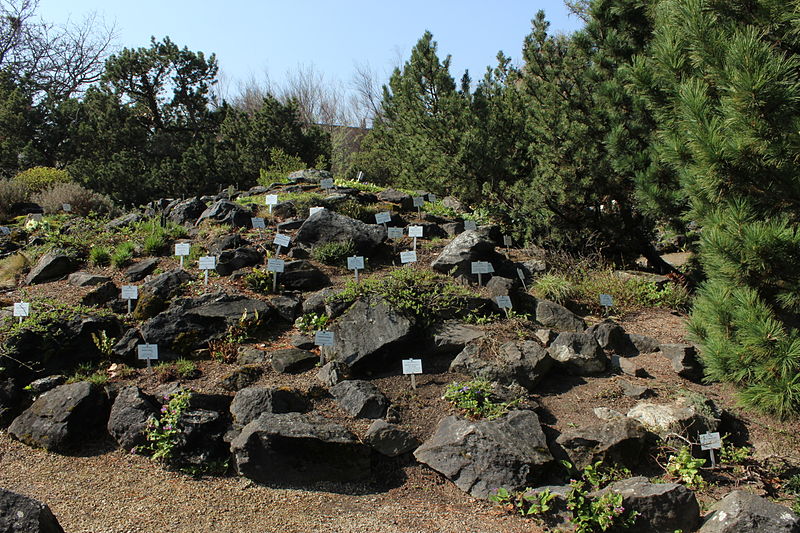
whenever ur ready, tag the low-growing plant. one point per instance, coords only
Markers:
(186, 369)
(555, 287)
(259, 280)
(227, 348)
(685, 468)
(476, 399)
(99, 255)
(163, 433)
(525, 502)
(104, 343)
(734, 455)
(88, 372)
(11, 193)
(440, 210)
(481, 215)
(358, 185)
(311, 322)
(12, 268)
(123, 254)
(592, 513)
(333, 253)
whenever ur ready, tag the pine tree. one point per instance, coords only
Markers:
(723, 80)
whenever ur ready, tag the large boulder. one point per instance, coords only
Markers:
(226, 212)
(231, 260)
(403, 200)
(186, 212)
(292, 360)
(480, 456)
(742, 512)
(452, 336)
(458, 255)
(299, 448)
(369, 327)
(389, 439)
(250, 403)
(62, 418)
(662, 507)
(557, 317)
(22, 514)
(328, 226)
(683, 358)
(302, 276)
(52, 265)
(360, 399)
(200, 439)
(521, 362)
(619, 441)
(156, 292)
(578, 353)
(129, 414)
(142, 269)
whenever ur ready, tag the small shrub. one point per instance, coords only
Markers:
(104, 343)
(12, 268)
(99, 255)
(163, 433)
(282, 165)
(438, 209)
(11, 192)
(476, 399)
(82, 201)
(38, 179)
(123, 254)
(554, 287)
(592, 513)
(333, 253)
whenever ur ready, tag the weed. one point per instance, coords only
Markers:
(99, 255)
(88, 372)
(333, 253)
(477, 399)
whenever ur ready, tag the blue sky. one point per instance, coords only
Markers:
(250, 37)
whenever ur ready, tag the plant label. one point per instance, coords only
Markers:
(503, 302)
(360, 175)
(383, 218)
(419, 201)
(489, 268)
(208, 262)
(183, 249)
(314, 210)
(710, 441)
(412, 366)
(326, 183)
(479, 267)
(431, 198)
(22, 309)
(147, 352)
(470, 225)
(258, 223)
(408, 257)
(130, 292)
(275, 265)
(606, 300)
(521, 275)
(271, 199)
(323, 338)
(394, 233)
(66, 207)
(415, 231)
(507, 241)
(282, 240)
(355, 263)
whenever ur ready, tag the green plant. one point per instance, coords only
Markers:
(311, 322)
(685, 468)
(99, 255)
(12, 267)
(476, 318)
(11, 193)
(123, 254)
(104, 343)
(555, 287)
(438, 209)
(88, 372)
(734, 455)
(154, 244)
(476, 399)
(591, 513)
(282, 164)
(227, 348)
(186, 369)
(82, 201)
(333, 253)
(526, 502)
(162, 433)
(358, 185)
(38, 179)
(259, 280)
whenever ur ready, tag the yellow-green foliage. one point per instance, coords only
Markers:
(38, 179)
(11, 268)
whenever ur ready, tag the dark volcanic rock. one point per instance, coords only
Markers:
(21, 514)
(250, 403)
(328, 226)
(128, 419)
(360, 399)
(53, 265)
(742, 512)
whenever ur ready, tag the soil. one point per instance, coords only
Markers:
(104, 489)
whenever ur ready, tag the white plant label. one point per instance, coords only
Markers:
(130, 292)
(271, 199)
(521, 275)
(507, 240)
(326, 183)
(394, 233)
(606, 300)
(412, 366)
(275, 265)
(208, 262)
(408, 257)
(147, 352)
(383, 218)
(22, 309)
(323, 338)
(183, 248)
(489, 268)
(66, 207)
(479, 267)
(314, 210)
(258, 223)
(710, 441)
(470, 225)
(282, 240)
(431, 198)
(415, 231)
(355, 263)
(503, 302)
(419, 201)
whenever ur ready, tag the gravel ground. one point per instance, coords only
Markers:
(113, 492)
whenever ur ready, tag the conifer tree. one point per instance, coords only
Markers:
(723, 80)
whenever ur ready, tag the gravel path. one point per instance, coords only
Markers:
(114, 492)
